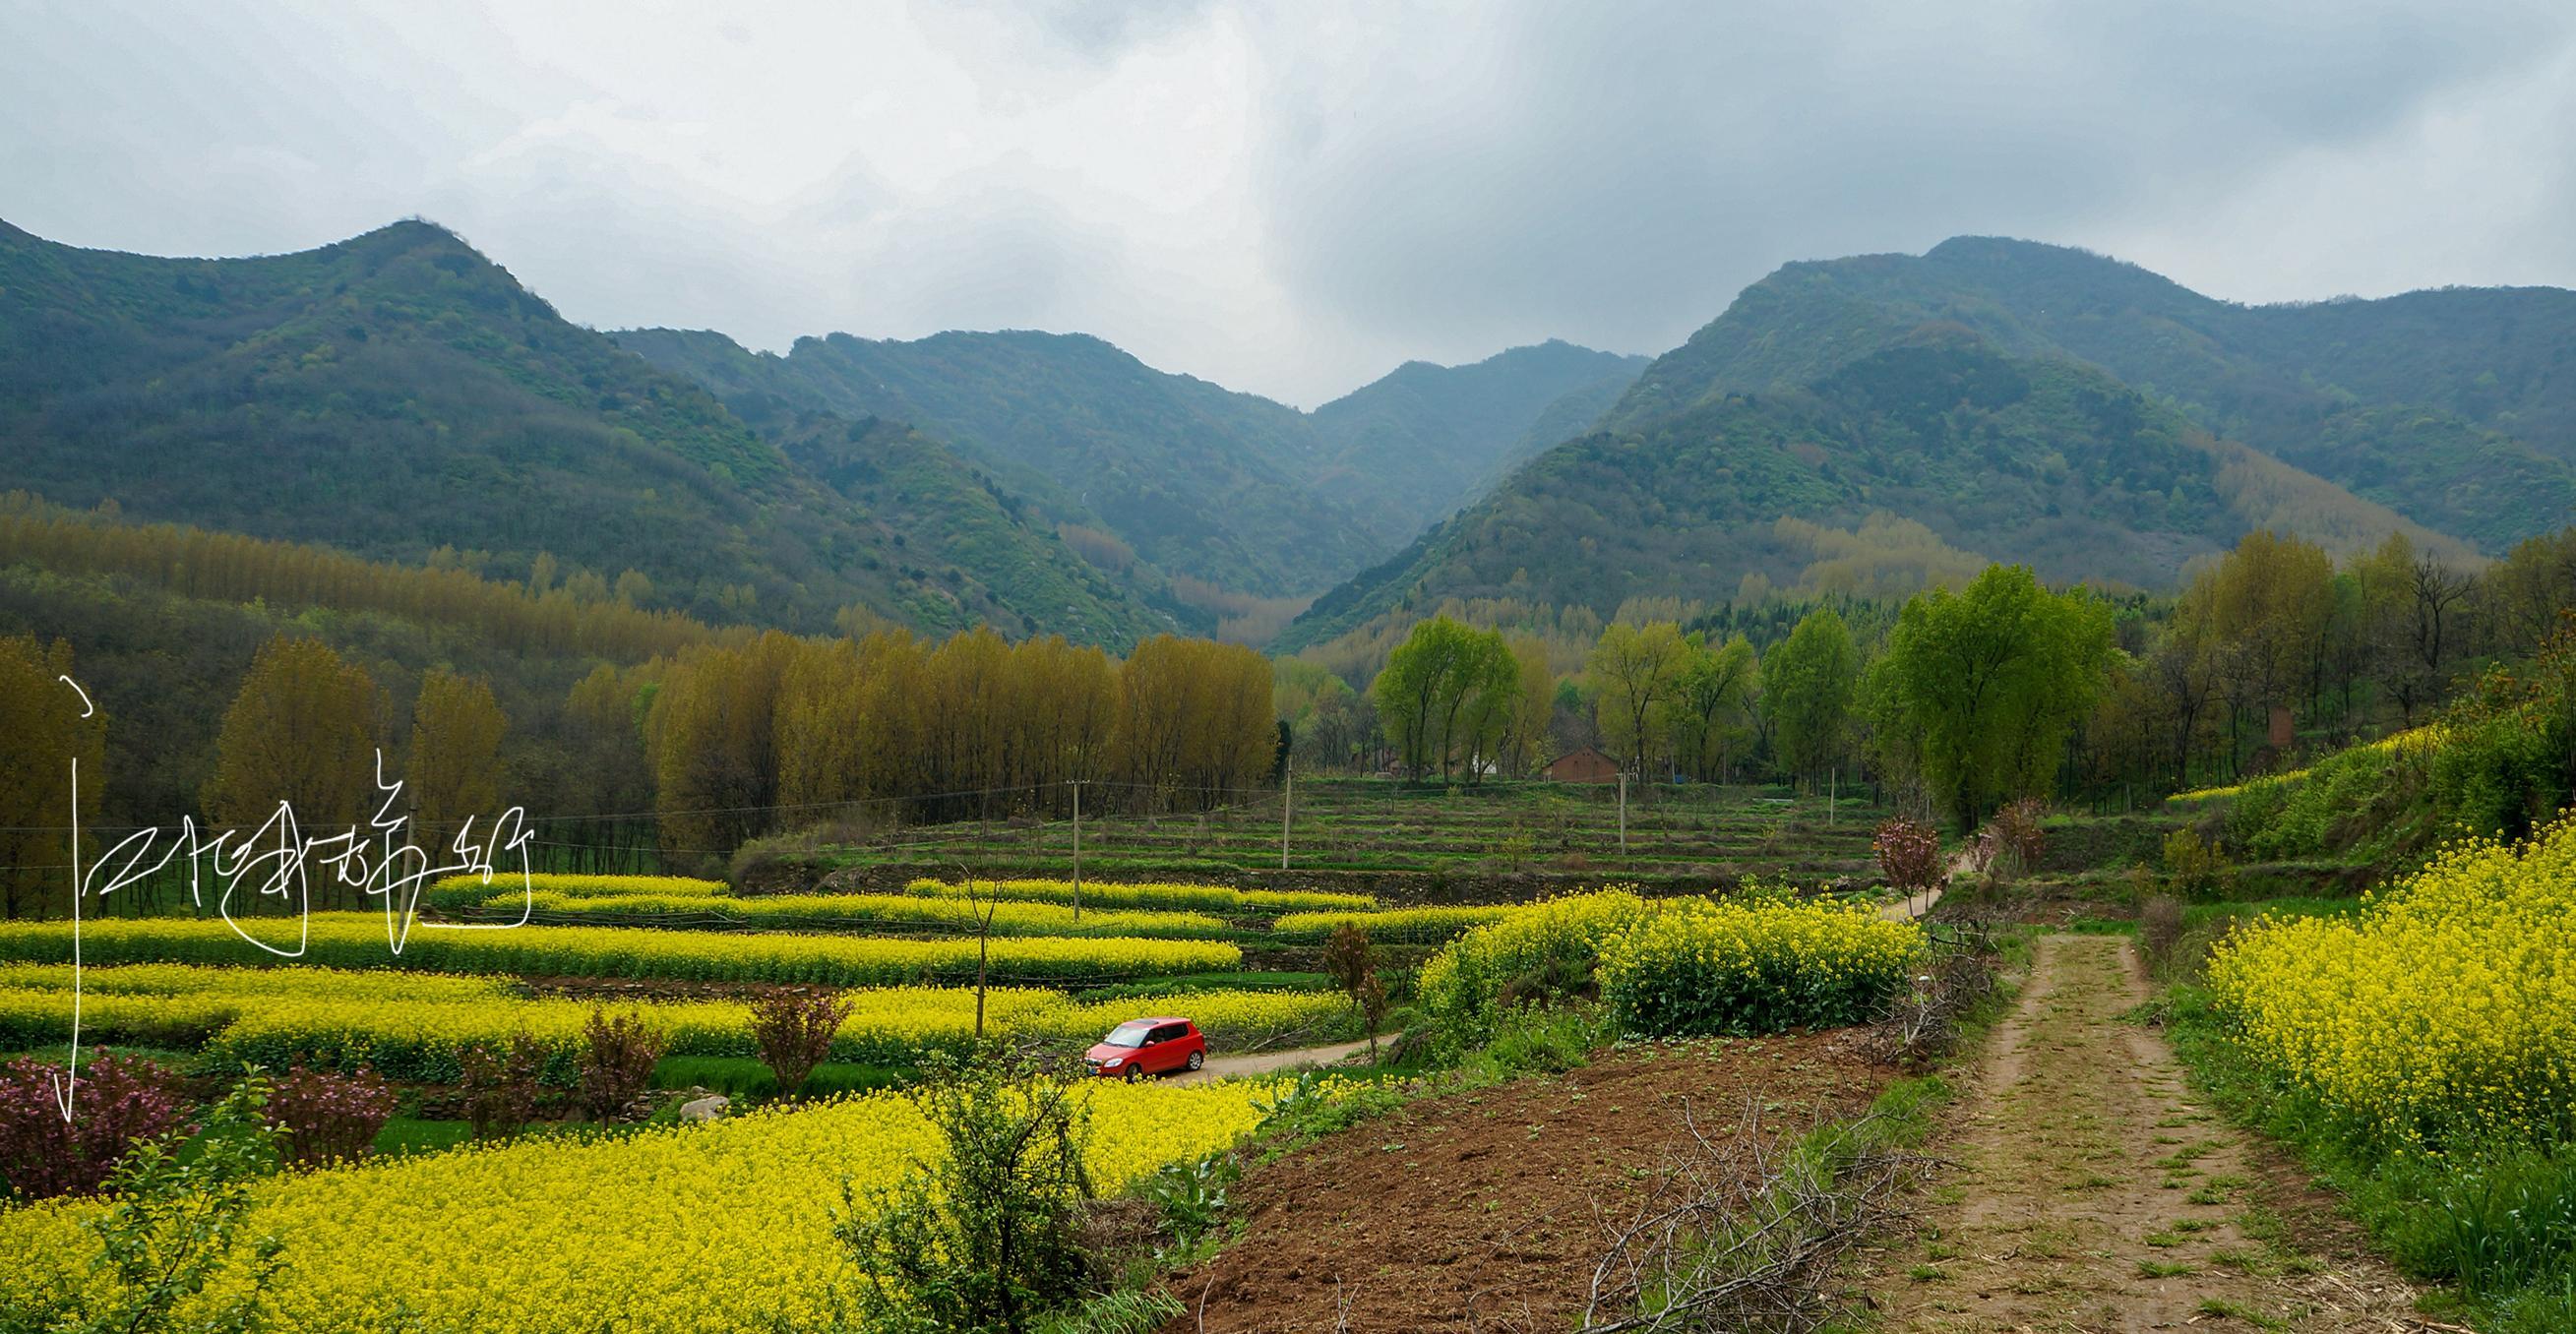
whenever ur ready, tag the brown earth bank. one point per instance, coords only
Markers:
(1485, 1209)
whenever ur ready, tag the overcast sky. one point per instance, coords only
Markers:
(1293, 198)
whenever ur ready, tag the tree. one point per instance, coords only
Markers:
(1429, 680)
(1807, 685)
(456, 734)
(1993, 680)
(1714, 694)
(1636, 670)
(302, 731)
(41, 733)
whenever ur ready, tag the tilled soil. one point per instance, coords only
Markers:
(2091, 1193)
(1485, 1209)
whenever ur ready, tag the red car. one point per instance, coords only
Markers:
(1142, 1047)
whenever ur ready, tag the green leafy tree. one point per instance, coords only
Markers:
(1638, 672)
(1992, 681)
(1710, 701)
(1431, 679)
(1808, 682)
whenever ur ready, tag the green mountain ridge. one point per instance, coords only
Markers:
(399, 396)
(2455, 407)
(2041, 460)
(1230, 489)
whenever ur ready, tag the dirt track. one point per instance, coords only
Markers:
(1266, 1062)
(2092, 1193)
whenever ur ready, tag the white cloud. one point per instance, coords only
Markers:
(1291, 198)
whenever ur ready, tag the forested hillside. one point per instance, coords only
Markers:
(2456, 407)
(2020, 402)
(2037, 460)
(400, 397)
(1228, 492)
(1408, 448)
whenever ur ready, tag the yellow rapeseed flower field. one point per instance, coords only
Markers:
(362, 940)
(898, 911)
(725, 1226)
(1396, 926)
(412, 1026)
(2445, 1013)
(1701, 966)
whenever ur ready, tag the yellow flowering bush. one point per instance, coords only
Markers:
(724, 1226)
(2443, 1014)
(913, 911)
(1205, 898)
(412, 1026)
(1546, 948)
(362, 940)
(1698, 967)
(1396, 926)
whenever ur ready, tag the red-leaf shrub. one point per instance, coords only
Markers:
(794, 1033)
(1909, 855)
(499, 1089)
(616, 1063)
(118, 1101)
(2021, 830)
(322, 1116)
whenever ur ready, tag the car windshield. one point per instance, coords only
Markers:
(1129, 1035)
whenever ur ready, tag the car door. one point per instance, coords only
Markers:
(1169, 1052)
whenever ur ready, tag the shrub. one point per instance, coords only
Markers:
(616, 1063)
(1542, 952)
(322, 1116)
(499, 1090)
(988, 1233)
(2159, 930)
(794, 1034)
(1909, 856)
(117, 1102)
(2013, 840)
(2195, 866)
(1703, 967)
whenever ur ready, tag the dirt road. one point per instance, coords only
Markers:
(1265, 1062)
(2092, 1193)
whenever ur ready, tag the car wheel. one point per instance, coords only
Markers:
(1135, 1072)
(1197, 1059)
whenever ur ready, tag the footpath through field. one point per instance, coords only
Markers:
(2090, 1192)
(1269, 1062)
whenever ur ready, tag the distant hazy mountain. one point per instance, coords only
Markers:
(1941, 391)
(398, 393)
(1231, 489)
(1410, 447)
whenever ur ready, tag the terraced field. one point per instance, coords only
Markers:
(1492, 843)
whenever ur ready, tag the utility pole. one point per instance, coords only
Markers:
(1077, 849)
(1287, 808)
(1623, 812)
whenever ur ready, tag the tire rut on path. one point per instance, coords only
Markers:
(2090, 1192)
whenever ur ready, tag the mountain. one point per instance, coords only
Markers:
(1235, 493)
(1200, 481)
(401, 397)
(1412, 446)
(2457, 407)
(1829, 411)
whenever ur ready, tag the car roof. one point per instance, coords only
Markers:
(1157, 1019)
